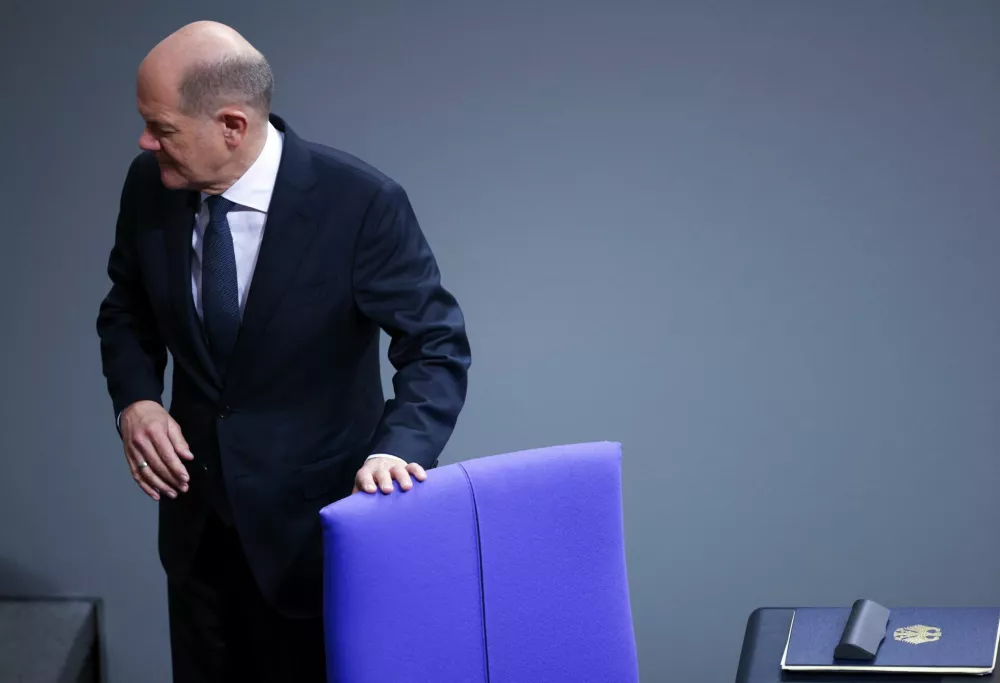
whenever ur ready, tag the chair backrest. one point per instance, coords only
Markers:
(499, 569)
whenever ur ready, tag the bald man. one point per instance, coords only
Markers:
(266, 266)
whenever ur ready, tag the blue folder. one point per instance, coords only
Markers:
(940, 640)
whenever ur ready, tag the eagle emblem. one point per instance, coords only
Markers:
(917, 634)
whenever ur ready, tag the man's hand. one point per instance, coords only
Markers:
(381, 471)
(154, 447)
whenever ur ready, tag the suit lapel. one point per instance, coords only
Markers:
(178, 216)
(289, 230)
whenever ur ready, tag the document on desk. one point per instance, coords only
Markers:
(939, 640)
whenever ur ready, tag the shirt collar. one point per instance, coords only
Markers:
(254, 188)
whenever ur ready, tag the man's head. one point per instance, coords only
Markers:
(205, 95)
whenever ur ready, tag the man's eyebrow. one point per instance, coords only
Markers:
(157, 123)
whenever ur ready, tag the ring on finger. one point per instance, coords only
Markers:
(143, 464)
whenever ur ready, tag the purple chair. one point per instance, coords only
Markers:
(495, 570)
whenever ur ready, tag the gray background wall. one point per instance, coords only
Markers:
(755, 242)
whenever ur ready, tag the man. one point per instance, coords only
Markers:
(266, 266)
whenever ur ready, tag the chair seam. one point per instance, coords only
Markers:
(482, 582)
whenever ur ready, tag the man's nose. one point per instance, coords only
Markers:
(148, 142)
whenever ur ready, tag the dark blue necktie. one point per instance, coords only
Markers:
(220, 293)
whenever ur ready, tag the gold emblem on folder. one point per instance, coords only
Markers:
(917, 634)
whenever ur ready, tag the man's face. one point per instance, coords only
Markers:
(191, 150)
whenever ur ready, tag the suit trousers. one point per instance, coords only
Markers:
(222, 629)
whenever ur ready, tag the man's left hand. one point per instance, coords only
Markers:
(379, 472)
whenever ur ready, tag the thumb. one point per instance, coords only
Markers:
(178, 441)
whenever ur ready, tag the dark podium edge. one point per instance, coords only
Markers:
(747, 659)
(749, 636)
(99, 653)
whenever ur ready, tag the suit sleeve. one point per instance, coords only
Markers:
(398, 285)
(133, 354)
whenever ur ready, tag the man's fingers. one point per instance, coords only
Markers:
(154, 447)
(150, 491)
(364, 481)
(378, 474)
(153, 474)
(176, 474)
(147, 479)
(417, 471)
(383, 478)
(177, 439)
(400, 474)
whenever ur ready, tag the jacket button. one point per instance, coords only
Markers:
(225, 412)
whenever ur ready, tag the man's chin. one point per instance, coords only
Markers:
(171, 179)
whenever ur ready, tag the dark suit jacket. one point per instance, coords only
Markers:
(302, 405)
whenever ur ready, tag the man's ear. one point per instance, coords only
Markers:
(236, 124)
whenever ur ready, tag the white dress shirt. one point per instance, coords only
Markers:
(251, 195)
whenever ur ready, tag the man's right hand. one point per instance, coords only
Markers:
(154, 447)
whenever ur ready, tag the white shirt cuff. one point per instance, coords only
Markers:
(384, 455)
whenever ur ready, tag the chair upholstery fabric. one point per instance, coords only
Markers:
(501, 569)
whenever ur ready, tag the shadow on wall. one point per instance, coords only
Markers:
(18, 581)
